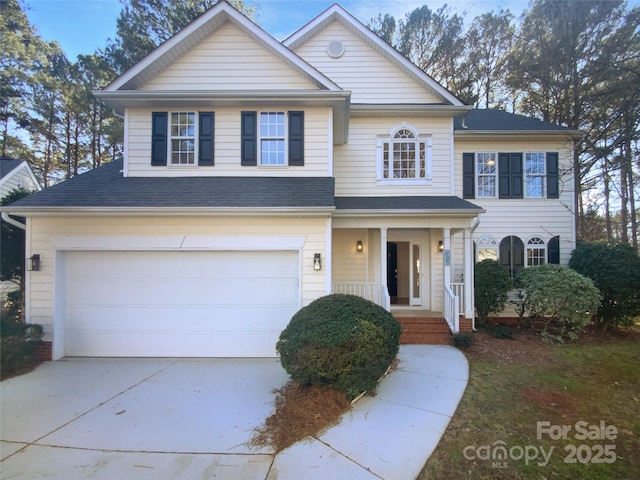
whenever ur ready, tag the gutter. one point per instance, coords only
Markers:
(8, 219)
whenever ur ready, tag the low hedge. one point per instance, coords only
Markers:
(339, 341)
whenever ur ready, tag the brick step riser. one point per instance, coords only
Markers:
(424, 331)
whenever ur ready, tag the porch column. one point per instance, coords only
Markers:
(468, 274)
(383, 259)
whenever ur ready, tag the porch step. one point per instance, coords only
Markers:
(425, 330)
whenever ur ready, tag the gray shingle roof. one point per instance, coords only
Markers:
(405, 203)
(106, 187)
(7, 165)
(499, 120)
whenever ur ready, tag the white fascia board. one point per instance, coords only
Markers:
(338, 13)
(33, 212)
(514, 134)
(206, 24)
(409, 213)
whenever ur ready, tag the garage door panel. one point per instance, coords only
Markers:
(178, 303)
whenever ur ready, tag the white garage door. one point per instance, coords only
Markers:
(178, 304)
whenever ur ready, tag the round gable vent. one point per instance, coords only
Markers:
(335, 49)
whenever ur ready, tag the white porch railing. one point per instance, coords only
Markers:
(452, 310)
(458, 291)
(372, 291)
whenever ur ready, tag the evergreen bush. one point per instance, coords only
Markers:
(558, 299)
(492, 283)
(615, 270)
(339, 341)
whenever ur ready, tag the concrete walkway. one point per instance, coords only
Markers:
(188, 419)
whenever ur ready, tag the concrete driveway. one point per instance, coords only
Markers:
(88, 418)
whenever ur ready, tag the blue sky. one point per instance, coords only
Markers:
(82, 26)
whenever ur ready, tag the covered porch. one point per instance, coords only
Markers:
(416, 264)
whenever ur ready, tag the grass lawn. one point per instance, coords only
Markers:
(538, 411)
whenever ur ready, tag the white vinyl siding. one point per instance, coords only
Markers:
(43, 231)
(317, 122)
(370, 76)
(356, 166)
(229, 60)
(527, 217)
(19, 178)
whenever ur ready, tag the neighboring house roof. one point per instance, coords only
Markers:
(499, 121)
(7, 165)
(336, 13)
(11, 167)
(106, 188)
(410, 204)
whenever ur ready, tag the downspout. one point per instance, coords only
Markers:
(15, 223)
(473, 287)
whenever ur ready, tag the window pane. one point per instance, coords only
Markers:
(534, 164)
(487, 253)
(486, 163)
(272, 152)
(486, 186)
(535, 186)
(272, 124)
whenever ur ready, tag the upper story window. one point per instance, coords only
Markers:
(487, 168)
(535, 173)
(404, 156)
(272, 138)
(487, 248)
(182, 139)
(510, 175)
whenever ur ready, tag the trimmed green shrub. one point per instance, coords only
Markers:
(615, 270)
(19, 340)
(500, 331)
(339, 341)
(492, 283)
(559, 299)
(463, 340)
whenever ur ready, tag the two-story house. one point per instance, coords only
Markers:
(260, 175)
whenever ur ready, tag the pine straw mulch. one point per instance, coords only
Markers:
(300, 411)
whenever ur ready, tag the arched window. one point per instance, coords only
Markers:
(536, 252)
(404, 156)
(512, 254)
(486, 248)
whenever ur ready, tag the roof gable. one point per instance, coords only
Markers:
(196, 32)
(230, 59)
(10, 168)
(336, 13)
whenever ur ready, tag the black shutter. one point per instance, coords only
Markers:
(468, 175)
(510, 182)
(516, 175)
(296, 139)
(512, 254)
(159, 127)
(553, 190)
(206, 139)
(553, 250)
(518, 254)
(249, 139)
(504, 177)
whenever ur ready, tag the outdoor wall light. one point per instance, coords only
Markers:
(33, 263)
(359, 246)
(440, 246)
(316, 262)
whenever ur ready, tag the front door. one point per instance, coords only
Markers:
(404, 273)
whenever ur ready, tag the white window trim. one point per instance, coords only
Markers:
(286, 139)
(525, 176)
(488, 242)
(477, 175)
(419, 138)
(170, 138)
(536, 246)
